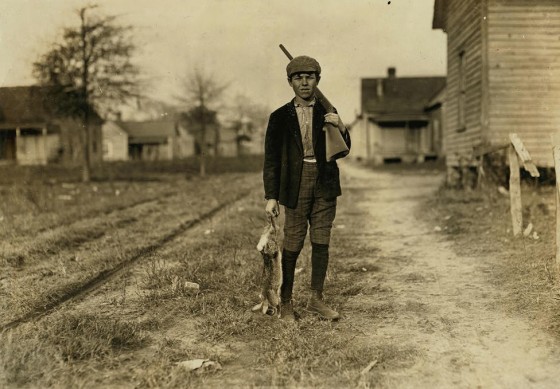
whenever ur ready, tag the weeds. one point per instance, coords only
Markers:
(60, 341)
(520, 266)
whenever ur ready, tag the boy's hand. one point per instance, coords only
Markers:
(272, 209)
(334, 119)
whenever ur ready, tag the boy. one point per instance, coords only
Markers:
(297, 175)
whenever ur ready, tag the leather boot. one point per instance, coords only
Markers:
(287, 311)
(317, 306)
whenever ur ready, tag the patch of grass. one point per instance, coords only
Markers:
(60, 341)
(378, 309)
(479, 222)
(86, 336)
(130, 170)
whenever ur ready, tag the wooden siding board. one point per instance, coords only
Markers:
(464, 33)
(524, 72)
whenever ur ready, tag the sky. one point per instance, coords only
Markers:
(236, 41)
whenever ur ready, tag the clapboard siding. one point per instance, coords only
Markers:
(463, 22)
(512, 50)
(524, 73)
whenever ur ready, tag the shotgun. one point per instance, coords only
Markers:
(335, 145)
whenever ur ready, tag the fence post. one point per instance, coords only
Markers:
(515, 191)
(518, 150)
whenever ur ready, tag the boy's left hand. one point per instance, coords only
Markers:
(334, 119)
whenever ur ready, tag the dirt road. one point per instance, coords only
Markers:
(432, 302)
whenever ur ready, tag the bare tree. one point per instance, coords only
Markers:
(201, 95)
(88, 71)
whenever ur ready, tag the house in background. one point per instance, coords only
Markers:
(395, 121)
(503, 76)
(147, 140)
(228, 145)
(115, 142)
(435, 109)
(31, 134)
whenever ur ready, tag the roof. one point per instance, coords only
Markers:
(145, 132)
(399, 98)
(22, 106)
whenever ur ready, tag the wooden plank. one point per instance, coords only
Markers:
(556, 154)
(524, 155)
(515, 192)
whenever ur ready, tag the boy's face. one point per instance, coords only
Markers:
(304, 85)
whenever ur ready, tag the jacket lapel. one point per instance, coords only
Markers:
(318, 122)
(293, 125)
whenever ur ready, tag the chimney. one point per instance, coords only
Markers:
(391, 73)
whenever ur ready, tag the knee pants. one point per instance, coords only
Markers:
(312, 209)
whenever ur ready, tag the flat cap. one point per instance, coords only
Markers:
(301, 64)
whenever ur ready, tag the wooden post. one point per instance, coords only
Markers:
(515, 191)
(556, 154)
(521, 150)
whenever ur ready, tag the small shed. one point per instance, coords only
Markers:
(31, 133)
(503, 76)
(394, 124)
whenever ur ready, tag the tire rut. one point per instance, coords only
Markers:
(81, 289)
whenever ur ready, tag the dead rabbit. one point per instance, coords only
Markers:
(271, 281)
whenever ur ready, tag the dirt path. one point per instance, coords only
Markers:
(442, 308)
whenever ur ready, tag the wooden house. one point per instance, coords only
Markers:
(503, 67)
(31, 133)
(394, 124)
(156, 140)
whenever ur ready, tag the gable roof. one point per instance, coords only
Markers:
(145, 132)
(399, 98)
(22, 106)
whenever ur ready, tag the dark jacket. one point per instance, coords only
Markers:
(283, 159)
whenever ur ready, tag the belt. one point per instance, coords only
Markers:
(312, 160)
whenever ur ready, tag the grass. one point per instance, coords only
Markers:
(227, 267)
(479, 223)
(58, 260)
(142, 171)
(162, 322)
(39, 352)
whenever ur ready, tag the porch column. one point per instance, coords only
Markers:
(18, 134)
(45, 149)
(368, 139)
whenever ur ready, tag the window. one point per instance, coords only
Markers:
(462, 91)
